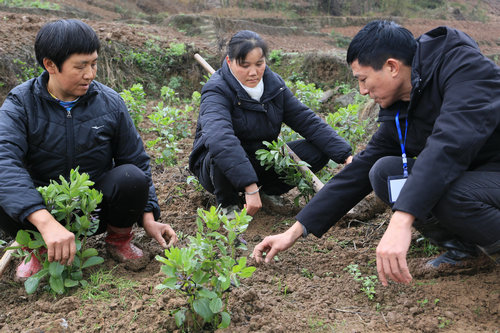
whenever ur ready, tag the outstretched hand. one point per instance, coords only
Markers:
(159, 231)
(392, 249)
(272, 245)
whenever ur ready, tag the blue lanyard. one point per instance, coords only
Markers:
(402, 142)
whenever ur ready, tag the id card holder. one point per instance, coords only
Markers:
(395, 184)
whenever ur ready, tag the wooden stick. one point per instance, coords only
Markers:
(6, 258)
(316, 182)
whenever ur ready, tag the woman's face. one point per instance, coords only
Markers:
(249, 72)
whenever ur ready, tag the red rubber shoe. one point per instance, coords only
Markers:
(26, 269)
(119, 244)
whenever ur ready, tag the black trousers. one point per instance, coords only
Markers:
(469, 211)
(125, 192)
(215, 182)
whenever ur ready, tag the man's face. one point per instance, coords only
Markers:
(74, 79)
(384, 86)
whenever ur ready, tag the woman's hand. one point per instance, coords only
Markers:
(252, 199)
(61, 246)
(159, 231)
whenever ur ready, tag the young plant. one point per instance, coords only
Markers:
(276, 156)
(204, 271)
(72, 204)
(135, 99)
(307, 93)
(347, 124)
(170, 124)
(368, 282)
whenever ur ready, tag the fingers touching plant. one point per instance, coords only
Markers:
(206, 269)
(71, 203)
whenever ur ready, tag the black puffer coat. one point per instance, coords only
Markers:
(40, 140)
(454, 126)
(232, 125)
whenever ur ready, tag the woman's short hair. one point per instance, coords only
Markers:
(58, 40)
(242, 43)
(380, 40)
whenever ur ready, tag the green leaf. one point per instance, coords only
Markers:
(225, 320)
(77, 275)
(216, 305)
(180, 317)
(247, 272)
(207, 293)
(170, 283)
(31, 284)
(89, 253)
(84, 283)
(201, 307)
(92, 261)
(68, 283)
(55, 269)
(23, 238)
(56, 284)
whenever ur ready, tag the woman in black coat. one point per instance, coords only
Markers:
(243, 104)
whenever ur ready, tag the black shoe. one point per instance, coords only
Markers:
(450, 257)
(492, 251)
(457, 251)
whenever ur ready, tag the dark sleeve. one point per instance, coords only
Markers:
(129, 149)
(18, 195)
(468, 116)
(308, 124)
(222, 143)
(346, 188)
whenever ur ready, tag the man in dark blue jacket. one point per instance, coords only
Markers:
(436, 156)
(63, 120)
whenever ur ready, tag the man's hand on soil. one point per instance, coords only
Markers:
(271, 245)
(392, 249)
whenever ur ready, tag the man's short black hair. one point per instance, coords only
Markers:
(60, 39)
(242, 43)
(380, 40)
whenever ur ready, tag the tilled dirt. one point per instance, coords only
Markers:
(306, 290)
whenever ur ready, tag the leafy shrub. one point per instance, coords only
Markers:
(347, 124)
(170, 124)
(27, 71)
(276, 156)
(135, 99)
(204, 271)
(306, 93)
(276, 56)
(30, 4)
(71, 203)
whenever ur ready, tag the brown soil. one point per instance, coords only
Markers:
(307, 289)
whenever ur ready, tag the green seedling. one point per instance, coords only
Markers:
(306, 273)
(72, 203)
(443, 322)
(347, 124)
(276, 156)
(135, 99)
(368, 282)
(423, 302)
(193, 181)
(204, 271)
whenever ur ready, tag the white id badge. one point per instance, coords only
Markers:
(395, 185)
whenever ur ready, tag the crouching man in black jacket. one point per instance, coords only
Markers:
(436, 156)
(63, 120)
